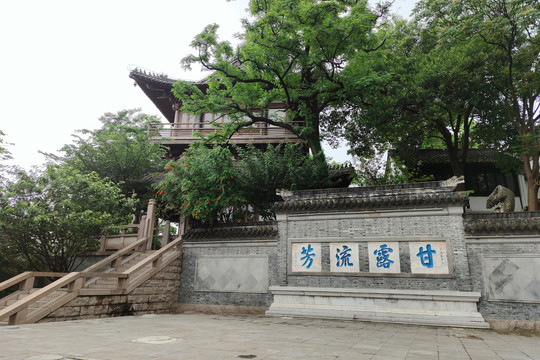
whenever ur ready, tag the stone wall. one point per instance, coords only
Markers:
(504, 259)
(400, 222)
(495, 257)
(398, 226)
(229, 268)
(159, 294)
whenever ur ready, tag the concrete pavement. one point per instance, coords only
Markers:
(198, 336)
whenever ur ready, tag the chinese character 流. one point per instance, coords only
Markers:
(343, 256)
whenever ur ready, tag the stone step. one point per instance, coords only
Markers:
(429, 307)
(36, 305)
(102, 286)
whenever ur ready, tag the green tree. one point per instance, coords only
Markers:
(208, 185)
(123, 150)
(381, 169)
(416, 90)
(203, 184)
(508, 29)
(293, 52)
(262, 172)
(53, 218)
(4, 153)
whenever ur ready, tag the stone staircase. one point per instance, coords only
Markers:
(119, 274)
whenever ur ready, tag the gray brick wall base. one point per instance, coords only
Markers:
(221, 309)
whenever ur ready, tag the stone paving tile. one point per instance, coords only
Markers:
(231, 337)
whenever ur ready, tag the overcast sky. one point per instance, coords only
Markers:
(65, 63)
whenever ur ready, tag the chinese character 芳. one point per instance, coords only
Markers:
(383, 256)
(343, 256)
(308, 256)
(426, 257)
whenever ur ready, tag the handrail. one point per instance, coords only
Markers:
(15, 280)
(210, 125)
(189, 128)
(17, 312)
(116, 255)
(103, 275)
(66, 279)
(120, 236)
(25, 302)
(27, 275)
(153, 257)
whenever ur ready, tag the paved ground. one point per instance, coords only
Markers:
(193, 336)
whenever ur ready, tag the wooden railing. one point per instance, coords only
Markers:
(26, 279)
(119, 241)
(75, 284)
(188, 130)
(158, 261)
(18, 313)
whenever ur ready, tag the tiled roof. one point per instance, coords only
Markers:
(500, 223)
(263, 230)
(158, 88)
(373, 197)
(151, 77)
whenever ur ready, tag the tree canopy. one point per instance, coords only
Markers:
(208, 185)
(292, 52)
(4, 153)
(54, 217)
(507, 31)
(123, 150)
(414, 91)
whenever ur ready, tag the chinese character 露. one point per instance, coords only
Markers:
(308, 256)
(426, 257)
(343, 257)
(383, 256)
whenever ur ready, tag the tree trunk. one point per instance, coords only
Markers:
(532, 196)
(458, 167)
(532, 175)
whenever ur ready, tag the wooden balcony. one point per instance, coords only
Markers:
(182, 134)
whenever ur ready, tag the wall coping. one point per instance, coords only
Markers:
(465, 296)
(499, 223)
(362, 199)
(263, 230)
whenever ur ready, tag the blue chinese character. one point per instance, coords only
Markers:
(383, 256)
(343, 257)
(426, 257)
(308, 255)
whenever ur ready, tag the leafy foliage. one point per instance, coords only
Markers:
(206, 184)
(415, 90)
(122, 150)
(202, 184)
(507, 31)
(379, 169)
(51, 218)
(262, 172)
(4, 153)
(294, 52)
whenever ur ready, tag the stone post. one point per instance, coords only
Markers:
(166, 233)
(150, 218)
